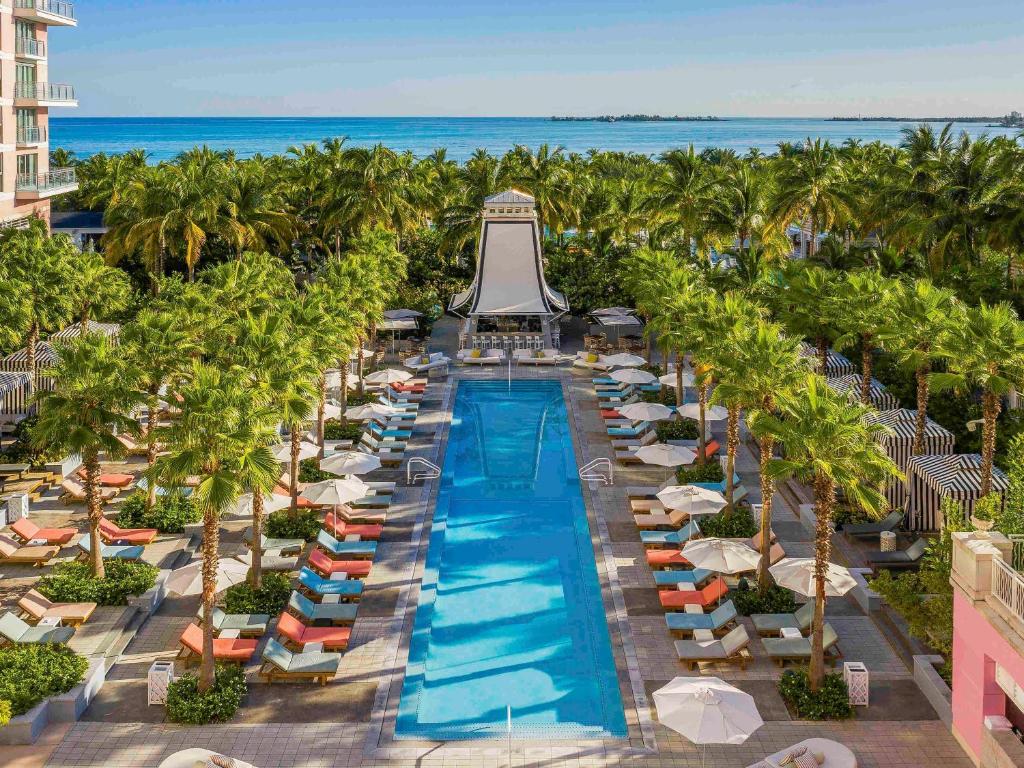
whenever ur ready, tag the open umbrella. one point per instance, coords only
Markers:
(335, 492)
(633, 376)
(271, 503)
(692, 499)
(611, 312)
(332, 411)
(388, 376)
(354, 354)
(188, 580)
(625, 360)
(370, 410)
(707, 710)
(401, 314)
(283, 451)
(797, 573)
(664, 455)
(711, 413)
(669, 380)
(350, 463)
(721, 555)
(646, 411)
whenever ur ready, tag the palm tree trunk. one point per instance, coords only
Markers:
(824, 502)
(921, 418)
(256, 570)
(320, 418)
(702, 401)
(767, 447)
(343, 367)
(865, 367)
(732, 442)
(359, 364)
(95, 508)
(152, 408)
(990, 406)
(679, 380)
(293, 484)
(211, 550)
(83, 322)
(822, 343)
(30, 357)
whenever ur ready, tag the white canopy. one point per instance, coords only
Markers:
(397, 325)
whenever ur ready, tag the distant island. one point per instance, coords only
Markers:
(639, 119)
(1012, 120)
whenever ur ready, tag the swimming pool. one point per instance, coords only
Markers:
(510, 610)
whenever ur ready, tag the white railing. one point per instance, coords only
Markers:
(31, 134)
(29, 46)
(59, 178)
(1008, 587)
(429, 471)
(1017, 553)
(600, 470)
(55, 7)
(44, 91)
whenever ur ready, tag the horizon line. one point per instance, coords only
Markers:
(866, 118)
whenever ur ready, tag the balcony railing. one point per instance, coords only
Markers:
(1017, 551)
(47, 182)
(31, 134)
(53, 7)
(44, 91)
(1008, 587)
(28, 46)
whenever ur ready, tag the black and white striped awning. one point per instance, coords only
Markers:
(18, 361)
(898, 442)
(930, 479)
(13, 393)
(835, 365)
(110, 330)
(850, 385)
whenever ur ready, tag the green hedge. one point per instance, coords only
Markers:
(32, 672)
(218, 705)
(677, 429)
(830, 702)
(354, 398)
(170, 513)
(711, 472)
(748, 600)
(310, 472)
(335, 430)
(73, 582)
(270, 598)
(5, 712)
(304, 525)
(736, 524)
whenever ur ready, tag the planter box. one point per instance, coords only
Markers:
(65, 466)
(70, 706)
(25, 729)
(866, 598)
(150, 600)
(934, 687)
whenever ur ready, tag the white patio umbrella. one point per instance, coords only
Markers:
(350, 463)
(669, 379)
(283, 451)
(271, 503)
(612, 312)
(369, 410)
(335, 492)
(625, 360)
(707, 710)
(692, 499)
(401, 314)
(188, 580)
(797, 574)
(646, 411)
(388, 376)
(332, 411)
(633, 376)
(711, 413)
(354, 354)
(664, 455)
(721, 555)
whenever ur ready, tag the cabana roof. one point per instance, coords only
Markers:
(836, 365)
(851, 383)
(16, 361)
(902, 423)
(74, 330)
(957, 475)
(13, 382)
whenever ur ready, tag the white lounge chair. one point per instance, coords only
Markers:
(427, 363)
(486, 356)
(592, 361)
(536, 356)
(833, 754)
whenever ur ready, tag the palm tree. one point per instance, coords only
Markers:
(91, 403)
(805, 304)
(686, 189)
(984, 350)
(919, 317)
(98, 288)
(544, 175)
(813, 189)
(256, 210)
(827, 443)
(859, 306)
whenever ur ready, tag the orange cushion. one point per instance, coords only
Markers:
(610, 414)
(116, 480)
(662, 558)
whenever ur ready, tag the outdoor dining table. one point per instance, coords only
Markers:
(14, 470)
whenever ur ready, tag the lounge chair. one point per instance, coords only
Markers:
(832, 754)
(225, 650)
(481, 356)
(28, 532)
(731, 649)
(74, 493)
(245, 624)
(308, 611)
(117, 480)
(671, 579)
(109, 551)
(718, 619)
(674, 539)
(324, 565)
(677, 600)
(133, 447)
(427, 363)
(359, 515)
(890, 522)
(315, 584)
(112, 533)
(340, 528)
(591, 361)
(35, 606)
(783, 649)
(770, 624)
(387, 434)
(632, 443)
(13, 552)
(536, 356)
(15, 631)
(281, 664)
(298, 634)
(637, 431)
(907, 559)
(284, 546)
(390, 453)
(675, 518)
(196, 757)
(351, 549)
(666, 558)
(271, 560)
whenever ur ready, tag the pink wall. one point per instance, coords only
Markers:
(977, 648)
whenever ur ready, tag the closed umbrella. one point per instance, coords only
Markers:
(370, 410)
(625, 360)
(692, 499)
(711, 413)
(350, 463)
(188, 580)
(721, 555)
(283, 451)
(335, 492)
(664, 455)
(388, 376)
(797, 574)
(633, 376)
(646, 411)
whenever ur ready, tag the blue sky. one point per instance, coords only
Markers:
(528, 57)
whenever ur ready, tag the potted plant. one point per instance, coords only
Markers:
(986, 511)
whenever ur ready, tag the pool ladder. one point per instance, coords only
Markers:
(430, 470)
(601, 470)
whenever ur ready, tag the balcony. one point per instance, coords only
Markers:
(44, 95)
(43, 185)
(55, 12)
(29, 48)
(31, 136)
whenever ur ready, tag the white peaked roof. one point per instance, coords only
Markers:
(510, 269)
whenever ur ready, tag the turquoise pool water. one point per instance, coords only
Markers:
(510, 611)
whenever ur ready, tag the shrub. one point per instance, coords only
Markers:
(737, 523)
(304, 525)
(5, 712)
(748, 600)
(32, 672)
(310, 472)
(676, 429)
(335, 430)
(218, 705)
(354, 399)
(711, 472)
(830, 702)
(665, 396)
(73, 582)
(170, 514)
(270, 598)
(22, 450)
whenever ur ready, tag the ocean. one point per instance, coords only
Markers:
(165, 137)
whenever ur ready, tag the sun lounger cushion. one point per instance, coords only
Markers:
(671, 578)
(319, 561)
(679, 599)
(224, 649)
(797, 648)
(300, 663)
(321, 586)
(908, 556)
(687, 622)
(270, 561)
(244, 623)
(17, 631)
(677, 538)
(118, 551)
(12, 551)
(284, 546)
(38, 606)
(28, 531)
(293, 629)
(311, 611)
(772, 623)
(339, 528)
(663, 558)
(726, 648)
(111, 532)
(352, 548)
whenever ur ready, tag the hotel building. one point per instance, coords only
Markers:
(27, 94)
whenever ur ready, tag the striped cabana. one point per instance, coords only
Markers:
(17, 362)
(13, 396)
(836, 365)
(930, 479)
(849, 385)
(110, 330)
(898, 442)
